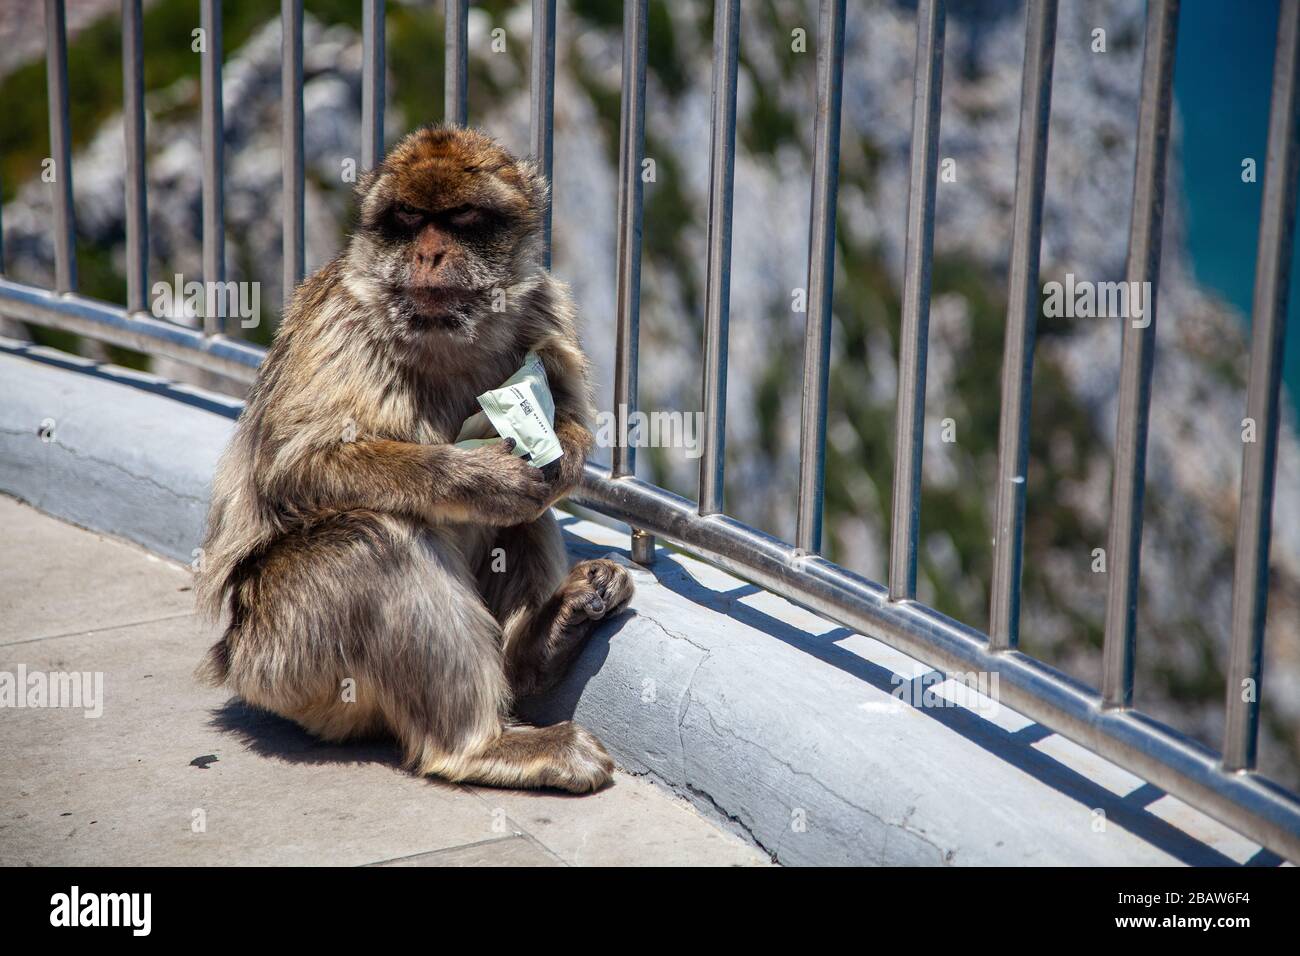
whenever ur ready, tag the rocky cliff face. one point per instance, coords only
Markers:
(1195, 441)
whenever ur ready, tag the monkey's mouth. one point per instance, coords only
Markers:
(443, 305)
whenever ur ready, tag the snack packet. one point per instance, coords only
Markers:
(522, 409)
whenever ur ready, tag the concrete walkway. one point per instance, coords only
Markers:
(173, 773)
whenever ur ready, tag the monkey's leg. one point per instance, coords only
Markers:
(367, 619)
(487, 749)
(546, 616)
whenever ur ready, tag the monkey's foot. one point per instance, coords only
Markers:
(580, 764)
(563, 756)
(594, 590)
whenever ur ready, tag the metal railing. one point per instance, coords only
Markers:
(1225, 785)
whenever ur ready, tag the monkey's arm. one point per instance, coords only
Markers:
(440, 483)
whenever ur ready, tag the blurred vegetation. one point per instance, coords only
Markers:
(95, 78)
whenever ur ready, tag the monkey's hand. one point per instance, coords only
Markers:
(563, 474)
(498, 488)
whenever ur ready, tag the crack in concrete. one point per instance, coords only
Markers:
(676, 634)
(685, 785)
(83, 456)
(944, 855)
(92, 631)
(683, 708)
(730, 817)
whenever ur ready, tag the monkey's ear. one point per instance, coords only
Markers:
(369, 194)
(535, 185)
(366, 182)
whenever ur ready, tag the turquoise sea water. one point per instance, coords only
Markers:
(1222, 80)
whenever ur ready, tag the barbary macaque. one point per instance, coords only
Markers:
(380, 579)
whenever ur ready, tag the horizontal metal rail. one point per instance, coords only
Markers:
(139, 331)
(1223, 786)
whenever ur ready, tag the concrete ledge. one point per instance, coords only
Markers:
(131, 454)
(819, 745)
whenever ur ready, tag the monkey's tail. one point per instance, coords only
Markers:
(214, 669)
(564, 756)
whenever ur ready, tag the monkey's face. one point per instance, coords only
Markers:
(449, 222)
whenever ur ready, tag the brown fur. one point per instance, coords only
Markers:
(353, 545)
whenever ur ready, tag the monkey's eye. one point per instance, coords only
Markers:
(408, 215)
(463, 217)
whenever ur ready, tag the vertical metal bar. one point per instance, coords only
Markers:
(1022, 319)
(56, 84)
(1259, 458)
(717, 294)
(914, 334)
(372, 83)
(542, 62)
(214, 141)
(137, 202)
(821, 274)
(291, 155)
(631, 148)
(1137, 354)
(456, 87)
